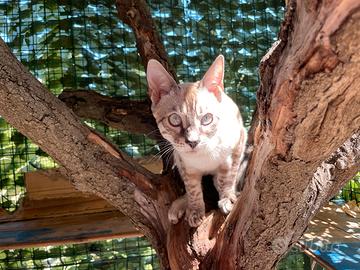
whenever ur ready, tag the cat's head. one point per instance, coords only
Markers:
(187, 114)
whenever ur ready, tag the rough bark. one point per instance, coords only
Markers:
(308, 106)
(305, 135)
(119, 113)
(93, 164)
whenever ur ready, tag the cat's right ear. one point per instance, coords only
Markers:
(159, 81)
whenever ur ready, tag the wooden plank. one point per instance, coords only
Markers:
(49, 184)
(54, 212)
(335, 216)
(57, 208)
(152, 163)
(43, 199)
(332, 225)
(332, 238)
(68, 229)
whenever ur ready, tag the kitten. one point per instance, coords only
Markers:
(205, 128)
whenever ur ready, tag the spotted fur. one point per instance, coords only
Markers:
(205, 129)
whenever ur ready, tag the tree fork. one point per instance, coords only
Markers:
(306, 145)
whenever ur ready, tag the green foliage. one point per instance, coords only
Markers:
(296, 260)
(17, 156)
(351, 190)
(117, 254)
(73, 44)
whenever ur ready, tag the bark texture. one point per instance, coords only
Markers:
(305, 136)
(308, 106)
(93, 164)
(119, 113)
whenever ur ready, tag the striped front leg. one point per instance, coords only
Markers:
(226, 179)
(195, 211)
(192, 203)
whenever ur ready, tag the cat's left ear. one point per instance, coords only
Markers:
(159, 81)
(213, 79)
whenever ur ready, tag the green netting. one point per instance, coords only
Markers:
(116, 254)
(296, 260)
(81, 44)
(351, 191)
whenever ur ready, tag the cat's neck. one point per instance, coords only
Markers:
(205, 161)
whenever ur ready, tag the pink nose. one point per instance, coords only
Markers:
(192, 144)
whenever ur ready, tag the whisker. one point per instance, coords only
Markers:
(152, 132)
(165, 148)
(169, 156)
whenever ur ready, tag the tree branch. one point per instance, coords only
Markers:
(308, 106)
(136, 14)
(331, 175)
(93, 164)
(120, 113)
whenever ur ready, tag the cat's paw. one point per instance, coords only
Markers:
(177, 210)
(195, 216)
(174, 215)
(226, 204)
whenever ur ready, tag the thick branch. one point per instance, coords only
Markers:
(87, 159)
(136, 14)
(294, 109)
(308, 107)
(331, 175)
(39, 115)
(120, 113)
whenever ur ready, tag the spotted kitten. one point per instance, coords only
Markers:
(205, 129)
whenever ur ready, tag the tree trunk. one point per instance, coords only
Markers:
(305, 134)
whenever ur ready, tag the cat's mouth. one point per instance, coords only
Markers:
(192, 150)
(188, 150)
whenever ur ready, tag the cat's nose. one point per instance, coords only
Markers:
(192, 144)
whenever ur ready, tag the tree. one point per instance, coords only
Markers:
(305, 134)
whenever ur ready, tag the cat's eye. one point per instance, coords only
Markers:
(207, 119)
(175, 120)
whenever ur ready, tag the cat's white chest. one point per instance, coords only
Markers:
(205, 162)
